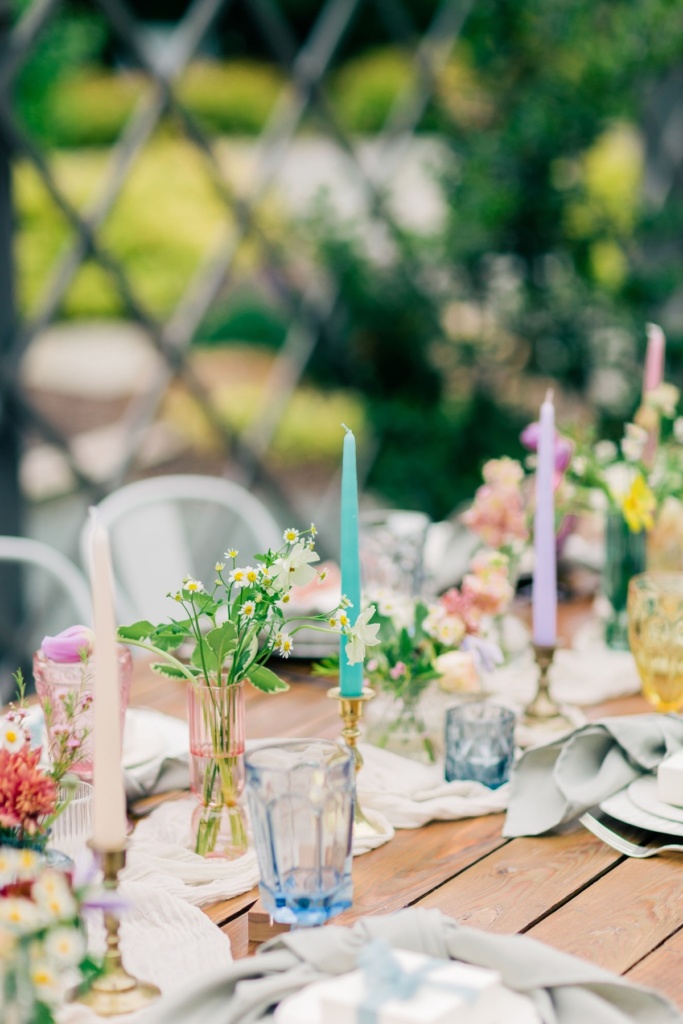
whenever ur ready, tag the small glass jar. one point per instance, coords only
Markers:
(55, 681)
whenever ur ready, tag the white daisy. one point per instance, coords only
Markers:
(231, 553)
(53, 895)
(12, 736)
(20, 915)
(46, 982)
(285, 645)
(65, 946)
(247, 610)
(252, 575)
(238, 577)
(194, 586)
(8, 865)
(219, 567)
(295, 569)
(291, 535)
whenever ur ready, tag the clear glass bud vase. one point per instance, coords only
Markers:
(625, 556)
(217, 774)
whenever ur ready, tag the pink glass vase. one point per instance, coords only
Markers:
(56, 682)
(216, 719)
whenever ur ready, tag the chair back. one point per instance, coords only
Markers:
(165, 528)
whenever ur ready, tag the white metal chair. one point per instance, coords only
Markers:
(168, 527)
(48, 574)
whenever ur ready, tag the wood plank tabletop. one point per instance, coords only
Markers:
(567, 889)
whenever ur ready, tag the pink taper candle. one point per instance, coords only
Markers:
(109, 801)
(654, 358)
(545, 555)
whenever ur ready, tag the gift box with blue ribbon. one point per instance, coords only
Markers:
(395, 986)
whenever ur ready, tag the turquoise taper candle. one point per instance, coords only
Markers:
(350, 676)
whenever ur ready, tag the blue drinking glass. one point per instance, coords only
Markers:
(301, 798)
(480, 743)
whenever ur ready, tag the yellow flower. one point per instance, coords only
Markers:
(639, 506)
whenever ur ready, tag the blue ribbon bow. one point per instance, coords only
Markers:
(386, 979)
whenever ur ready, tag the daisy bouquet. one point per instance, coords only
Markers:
(220, 638)
(42, 938)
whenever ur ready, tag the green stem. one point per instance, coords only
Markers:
(163, 654)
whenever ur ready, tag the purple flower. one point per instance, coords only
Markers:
(486, 654)
(563, 446)
(67, 645)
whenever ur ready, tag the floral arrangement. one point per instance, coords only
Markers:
(42, 937)
(237, 624)
(229, 630)
(421, 641)
(31, 795)
(644, 472)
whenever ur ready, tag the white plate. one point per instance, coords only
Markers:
(643, 792)
(621, 806)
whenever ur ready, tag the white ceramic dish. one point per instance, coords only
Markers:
(622, 807)
(643, 792)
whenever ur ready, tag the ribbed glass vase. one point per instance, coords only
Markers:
(217, 774)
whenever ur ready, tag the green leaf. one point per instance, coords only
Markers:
(172, 671)
(136, 631)
(204, 658)
(266, 681)
(222, 640)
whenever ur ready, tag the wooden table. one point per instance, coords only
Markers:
(569, 889)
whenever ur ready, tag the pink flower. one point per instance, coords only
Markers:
(563, 446)
(67, 646)
(490, 593)
(398, 670)
(460, 605)
(497, 515)
(27, 793)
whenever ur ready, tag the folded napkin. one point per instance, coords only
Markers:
(564, 989)
(408, 794)
(556, 782)
(586, 673)
(160, 855)
(164, 940)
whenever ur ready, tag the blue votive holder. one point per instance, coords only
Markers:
(301, 798)
(480, 743)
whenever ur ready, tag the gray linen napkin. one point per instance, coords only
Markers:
(560, 780)
(564, 989)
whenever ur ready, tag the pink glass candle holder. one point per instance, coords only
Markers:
(217, 773)
(56, 681)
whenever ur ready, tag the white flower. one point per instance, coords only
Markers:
(266, 578)
(20, 915)
(27, 864)
(579, 465)
(314, 530)
(53, 895)
(231, 553)
(219, 566)
(46, 982)
(295, 569)
(65, 947)
(247, 610)
(8, 865)
(362, 635)
(252, 575)
(284, 644)
(12, 736)
(633, 442)
(345, 603)
(664, 398)
(605, 452)
(193, 586)
(284, 600)
(291, 535)
(238, 577)
(322, 575)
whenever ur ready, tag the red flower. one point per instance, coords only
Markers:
(27, 793)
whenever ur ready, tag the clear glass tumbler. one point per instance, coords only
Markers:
(655, 630)
(392, 550)
(71, 831)
(480, 743)
(301, 799)
(55, 681)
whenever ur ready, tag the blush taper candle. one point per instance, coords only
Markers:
(109, 800)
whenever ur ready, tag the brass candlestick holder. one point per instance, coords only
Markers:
(116, 991)
(543, 710)
(351, 711)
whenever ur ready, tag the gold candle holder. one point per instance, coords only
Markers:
(543, 710)
(116, 991)
(351, 711)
